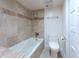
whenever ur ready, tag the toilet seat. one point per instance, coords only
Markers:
(54, 45)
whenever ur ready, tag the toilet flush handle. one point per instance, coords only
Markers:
(63, 38)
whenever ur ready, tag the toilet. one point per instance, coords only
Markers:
(54, 49)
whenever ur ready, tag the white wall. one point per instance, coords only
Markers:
(53, 25)
(65, 52)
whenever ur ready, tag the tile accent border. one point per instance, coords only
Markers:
(39, 18)
(12, 13)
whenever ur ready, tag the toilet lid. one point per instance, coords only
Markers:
(53, 45)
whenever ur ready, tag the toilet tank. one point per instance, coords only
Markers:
(53, 38)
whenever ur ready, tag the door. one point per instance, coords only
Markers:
(74, 31)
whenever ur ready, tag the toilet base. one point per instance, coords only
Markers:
(53, 54)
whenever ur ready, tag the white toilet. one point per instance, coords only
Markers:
(54, 49)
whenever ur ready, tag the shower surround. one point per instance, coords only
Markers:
(17, 23)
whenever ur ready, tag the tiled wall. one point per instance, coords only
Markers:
(18, 23)
(38, 23)
(15, 23)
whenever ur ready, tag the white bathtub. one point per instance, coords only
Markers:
(31, 47)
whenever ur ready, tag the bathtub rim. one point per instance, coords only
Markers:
(30, 54)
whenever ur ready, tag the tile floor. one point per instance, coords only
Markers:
(45, 54)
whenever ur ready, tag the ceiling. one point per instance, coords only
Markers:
(39, 4)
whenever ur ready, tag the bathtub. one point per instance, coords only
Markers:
(31, 48)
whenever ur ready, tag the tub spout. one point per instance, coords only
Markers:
(36, 38)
